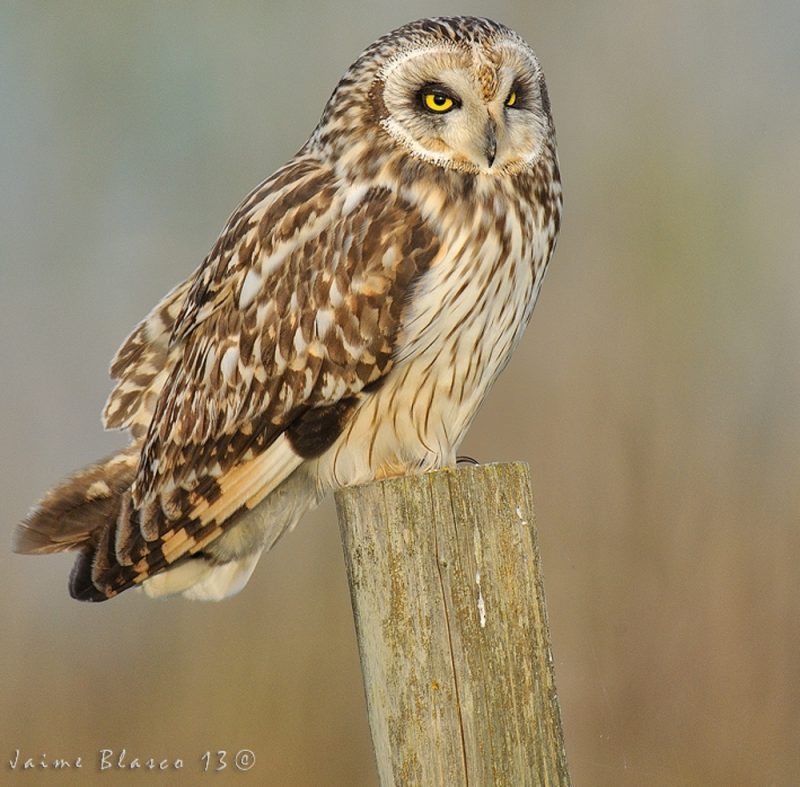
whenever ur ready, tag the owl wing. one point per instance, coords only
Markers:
(295, 311)
(142, 365)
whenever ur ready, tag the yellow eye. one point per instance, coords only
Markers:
(438, 102)
(512, 98)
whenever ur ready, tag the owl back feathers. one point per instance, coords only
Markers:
(242, 373)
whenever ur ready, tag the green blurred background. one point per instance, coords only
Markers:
(655, 395)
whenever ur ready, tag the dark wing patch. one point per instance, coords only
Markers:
(314, 432)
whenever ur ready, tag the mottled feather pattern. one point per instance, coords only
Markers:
(323, 328)
(347, 324)
(327, 331)
(142, 365)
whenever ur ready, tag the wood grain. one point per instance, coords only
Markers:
(452, 629)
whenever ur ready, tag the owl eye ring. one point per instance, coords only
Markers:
(437, 101)
(511, 101)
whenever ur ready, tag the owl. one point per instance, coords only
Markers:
(346, 325)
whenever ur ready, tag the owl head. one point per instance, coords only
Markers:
(461, 93)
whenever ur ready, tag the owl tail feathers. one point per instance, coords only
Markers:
(72, 515)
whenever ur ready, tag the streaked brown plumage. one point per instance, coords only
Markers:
(346, 325)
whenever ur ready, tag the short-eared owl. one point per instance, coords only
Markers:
(346, 326)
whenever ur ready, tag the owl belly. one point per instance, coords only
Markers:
(460, 330)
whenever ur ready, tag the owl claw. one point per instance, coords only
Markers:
(461, 461)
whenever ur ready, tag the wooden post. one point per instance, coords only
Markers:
(452, 629)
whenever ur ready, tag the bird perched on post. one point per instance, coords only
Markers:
(346, 325)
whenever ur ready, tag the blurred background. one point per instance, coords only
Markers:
(655, 395)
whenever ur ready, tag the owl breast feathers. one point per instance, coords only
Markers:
(346, 326)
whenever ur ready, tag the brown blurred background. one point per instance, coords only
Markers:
(656, 395)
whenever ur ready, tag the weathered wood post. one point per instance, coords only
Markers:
(452, 629)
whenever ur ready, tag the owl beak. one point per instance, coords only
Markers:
(490, 141)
